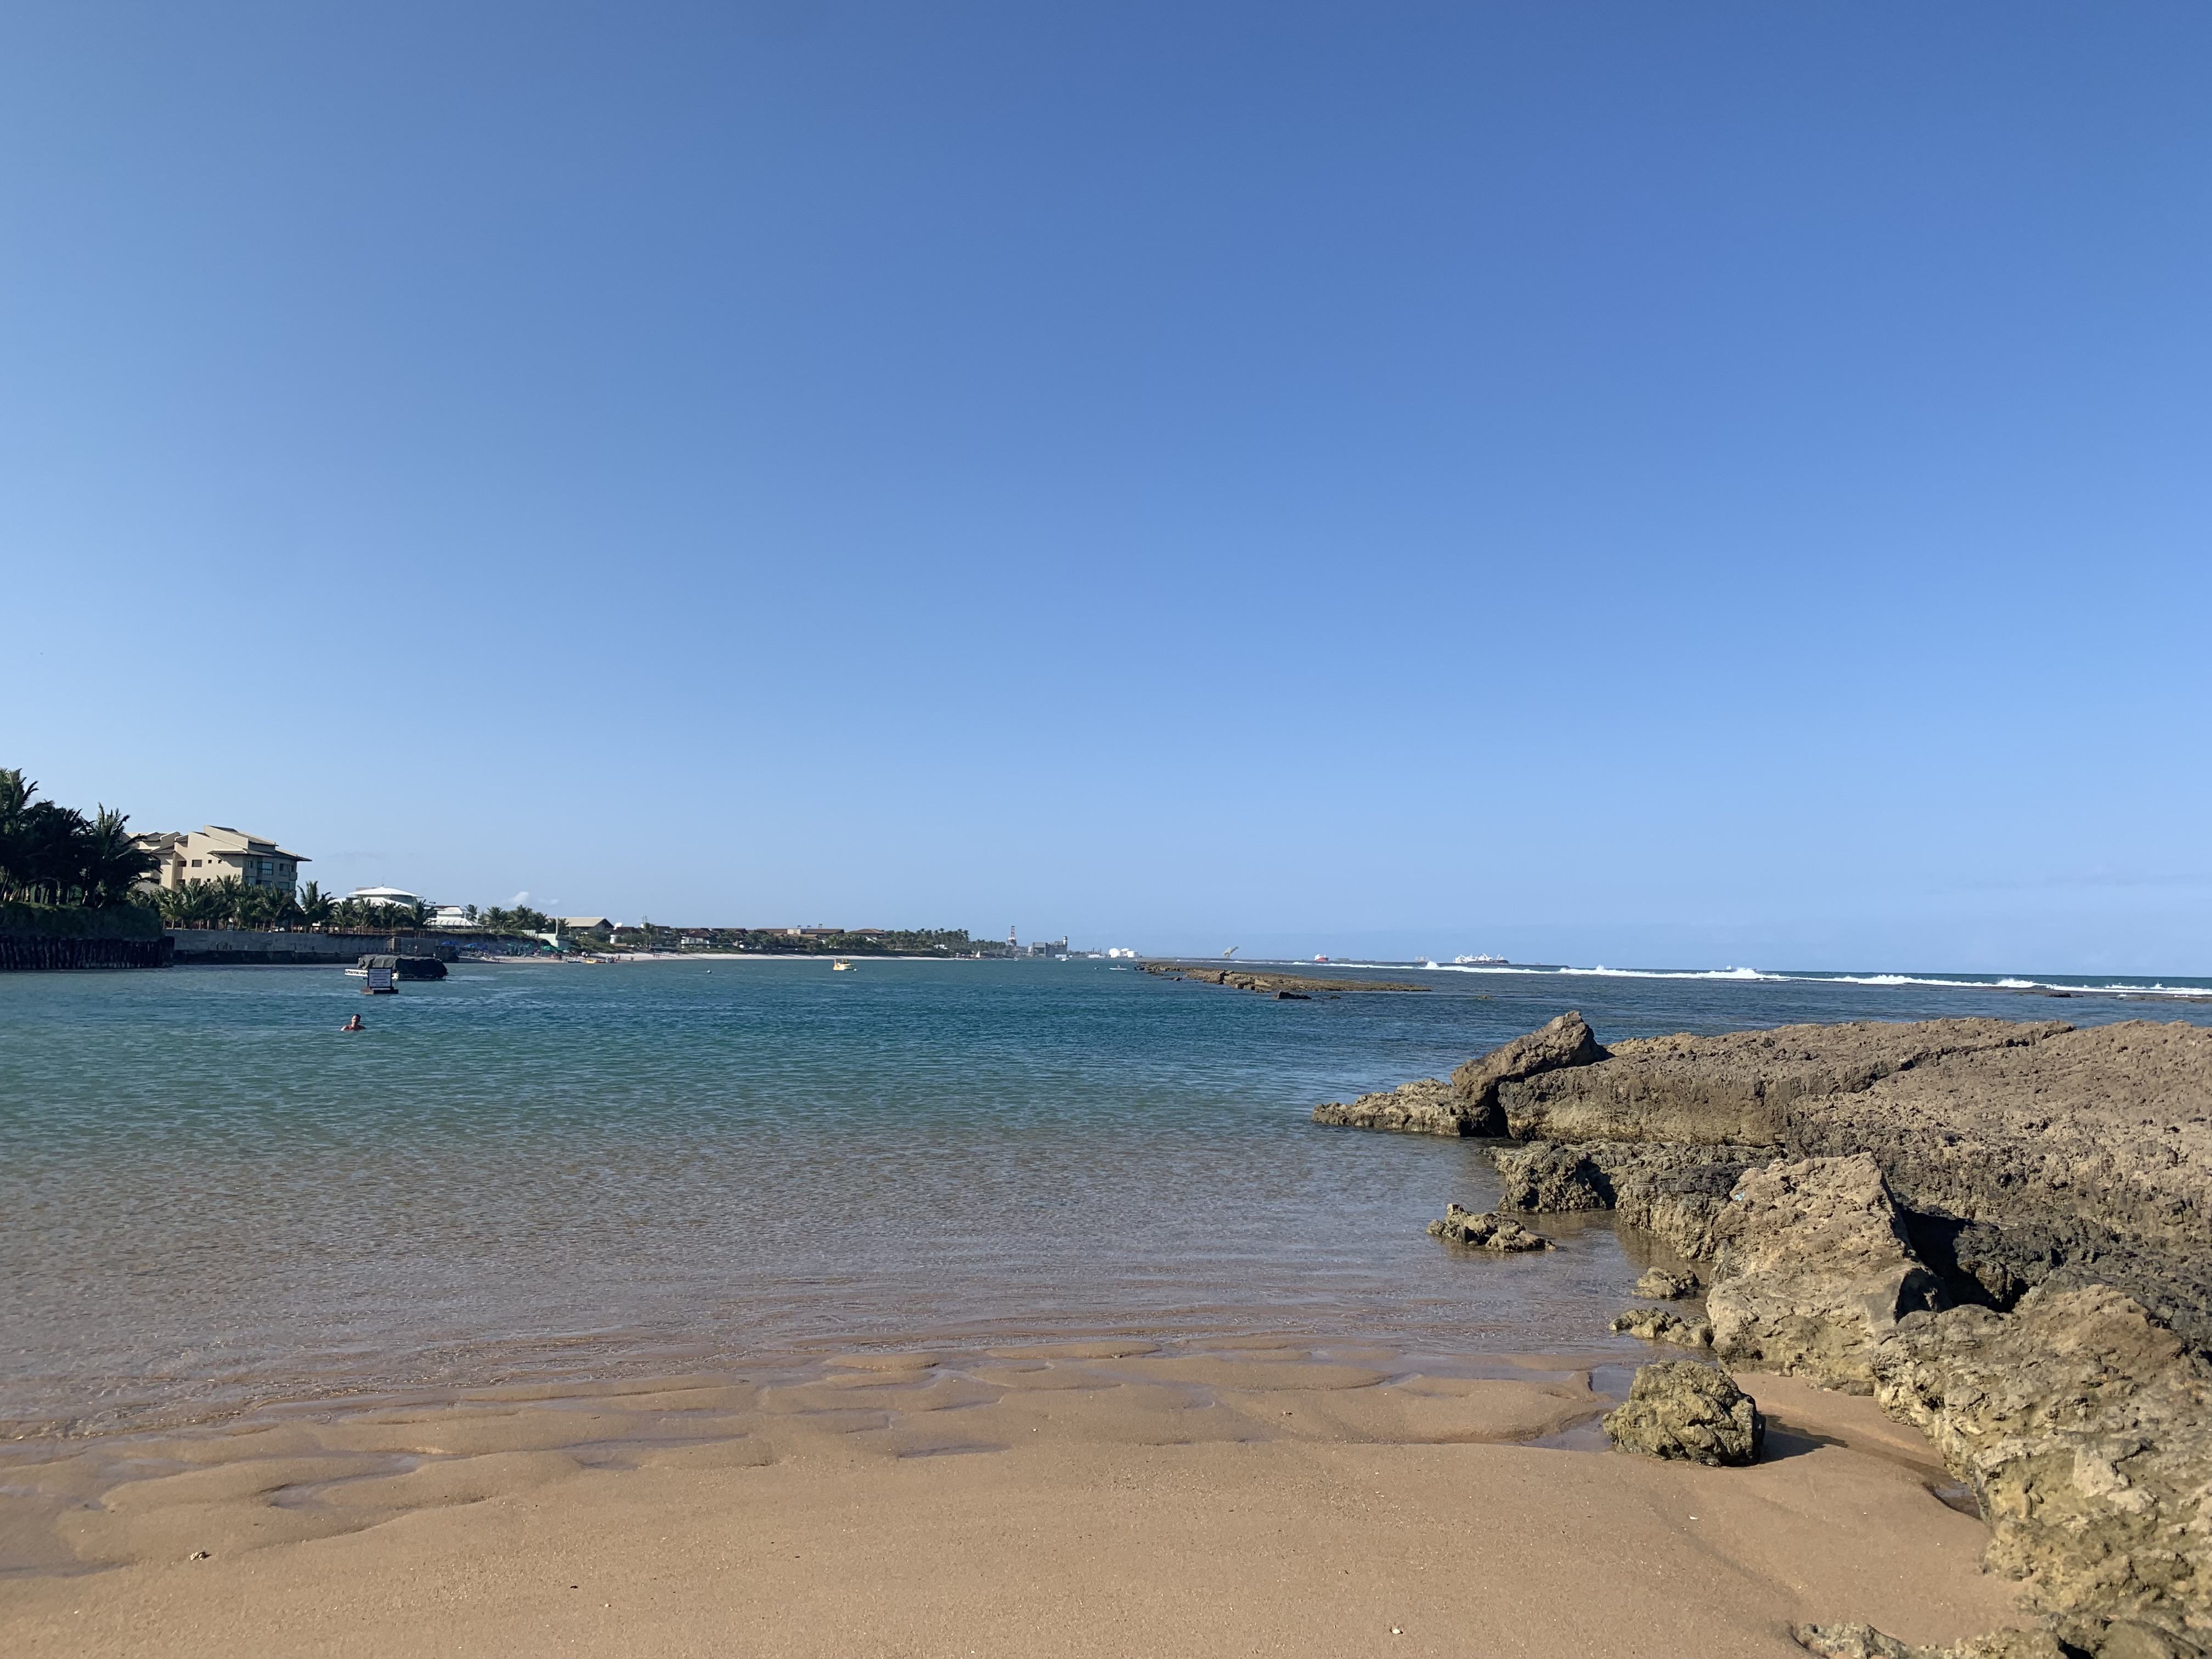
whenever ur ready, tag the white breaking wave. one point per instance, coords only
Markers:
(1750, 975)
(2127, 987)
(1676, 973)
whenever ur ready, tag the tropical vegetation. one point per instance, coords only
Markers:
(520, 919)
(230, 902)
(778, 941)
(54, 854)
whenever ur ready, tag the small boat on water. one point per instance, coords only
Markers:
(382, 972)
(840, 966)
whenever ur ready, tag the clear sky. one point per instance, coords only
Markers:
(1686, 484)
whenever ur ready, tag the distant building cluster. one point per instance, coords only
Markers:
(215, 852)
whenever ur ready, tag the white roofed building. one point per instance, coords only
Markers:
(393, 896)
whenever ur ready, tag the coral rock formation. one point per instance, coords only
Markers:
(1678, 1408)
(1658, 1325)
(1813, 1268)
(1468, 1105)
(1865, 1642)
(1486, 1230)
(1839, 1184)
(2084, 1429)
(1426, 1106)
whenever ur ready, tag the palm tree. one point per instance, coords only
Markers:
(315, 905)
(114, 863)
(261, 907)
(210, 903)
(54, 853)
(55, 839)
(225, 898)
(15, 793)
(196, 904)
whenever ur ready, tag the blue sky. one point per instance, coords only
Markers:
(1686, 485)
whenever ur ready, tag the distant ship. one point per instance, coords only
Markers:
(840, 966)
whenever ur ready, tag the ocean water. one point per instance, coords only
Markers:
(211, 1200)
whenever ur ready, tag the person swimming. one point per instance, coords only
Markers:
(353, 1025)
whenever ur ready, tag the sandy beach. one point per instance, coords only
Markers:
(1087, 1499)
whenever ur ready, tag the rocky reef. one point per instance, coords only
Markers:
(1865, 1642)
(2081, 1423)
(2000, 1230)
(1662, 1325)
(2020, 1152)
(1486, 1230)
(1290, 986)
(1681, 1409)
(1468, 1105)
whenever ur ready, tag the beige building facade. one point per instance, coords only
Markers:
(213, 853)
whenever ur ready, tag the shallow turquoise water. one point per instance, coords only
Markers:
(209, 1196)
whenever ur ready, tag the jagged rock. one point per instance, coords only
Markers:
(1677, 1192)
(1426, 1106)
(1677, 1408)
(1812, 1269)
(1857, 1641)
(1658, 1325)
(2025, 1153)
(2070, 1157)
(1739, 1087)
(1468, 1105)
(2084, 1428)
(1488, 1231)
(1551, 1179)
(1837, 1180)
(1666, 1286)
(1565, 1041)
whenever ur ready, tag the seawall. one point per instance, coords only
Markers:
(246, 947)
(20, 952)
(47, 936)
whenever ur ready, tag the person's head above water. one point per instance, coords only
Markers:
(353, 1025)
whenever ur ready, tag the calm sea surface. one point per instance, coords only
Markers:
(209, 1198)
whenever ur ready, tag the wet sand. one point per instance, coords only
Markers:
(1115, 1498)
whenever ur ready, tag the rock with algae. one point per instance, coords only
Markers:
(2083, 1427)
(1659, 1325)
(1426, 1106)
(1486, 1230)
(1813, 1268)
(1678, 1409)
(1857, 1641)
